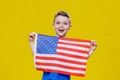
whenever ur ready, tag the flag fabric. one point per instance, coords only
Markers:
(61, 55)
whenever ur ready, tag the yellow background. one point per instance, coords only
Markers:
(91, 19)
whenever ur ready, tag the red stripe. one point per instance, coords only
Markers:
(60, 66)
(45, 58)
(72, 44)
(72, 49)
(62, 72)
(75, 40)
(72, 55)
(59, 59)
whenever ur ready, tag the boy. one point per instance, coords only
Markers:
(62, 24)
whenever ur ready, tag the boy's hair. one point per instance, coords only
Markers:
(62, 13)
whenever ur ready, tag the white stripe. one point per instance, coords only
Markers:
(72, 52)
(61, 63)
(63, 57)
(66, 41)
(73, 47)
(61, 69)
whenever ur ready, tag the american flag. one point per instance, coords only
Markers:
(61, 55)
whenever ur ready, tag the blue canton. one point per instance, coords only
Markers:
(46, 44)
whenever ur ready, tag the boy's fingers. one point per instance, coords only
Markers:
(32, 36)
(93, 42)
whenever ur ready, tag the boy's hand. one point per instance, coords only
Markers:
(93, 47)
(31, 36)
(93, 44)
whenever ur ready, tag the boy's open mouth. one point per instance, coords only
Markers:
(61, 30)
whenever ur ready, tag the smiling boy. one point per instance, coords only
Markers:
(62, 24)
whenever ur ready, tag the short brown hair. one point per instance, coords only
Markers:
(62, 13)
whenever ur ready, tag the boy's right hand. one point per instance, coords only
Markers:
(31, 36)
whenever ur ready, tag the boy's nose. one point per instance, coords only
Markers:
(61, 26)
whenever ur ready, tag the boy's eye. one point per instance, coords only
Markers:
(65, 23)
(57, 22)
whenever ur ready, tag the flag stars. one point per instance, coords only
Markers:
(46, 44)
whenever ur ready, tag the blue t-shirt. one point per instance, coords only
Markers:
(55, 76)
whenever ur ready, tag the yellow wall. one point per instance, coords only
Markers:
(91, 19)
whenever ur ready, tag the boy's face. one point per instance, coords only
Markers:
(61, 25)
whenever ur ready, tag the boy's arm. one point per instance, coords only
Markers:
(93, 47)
(31, 38)
(32, 45)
